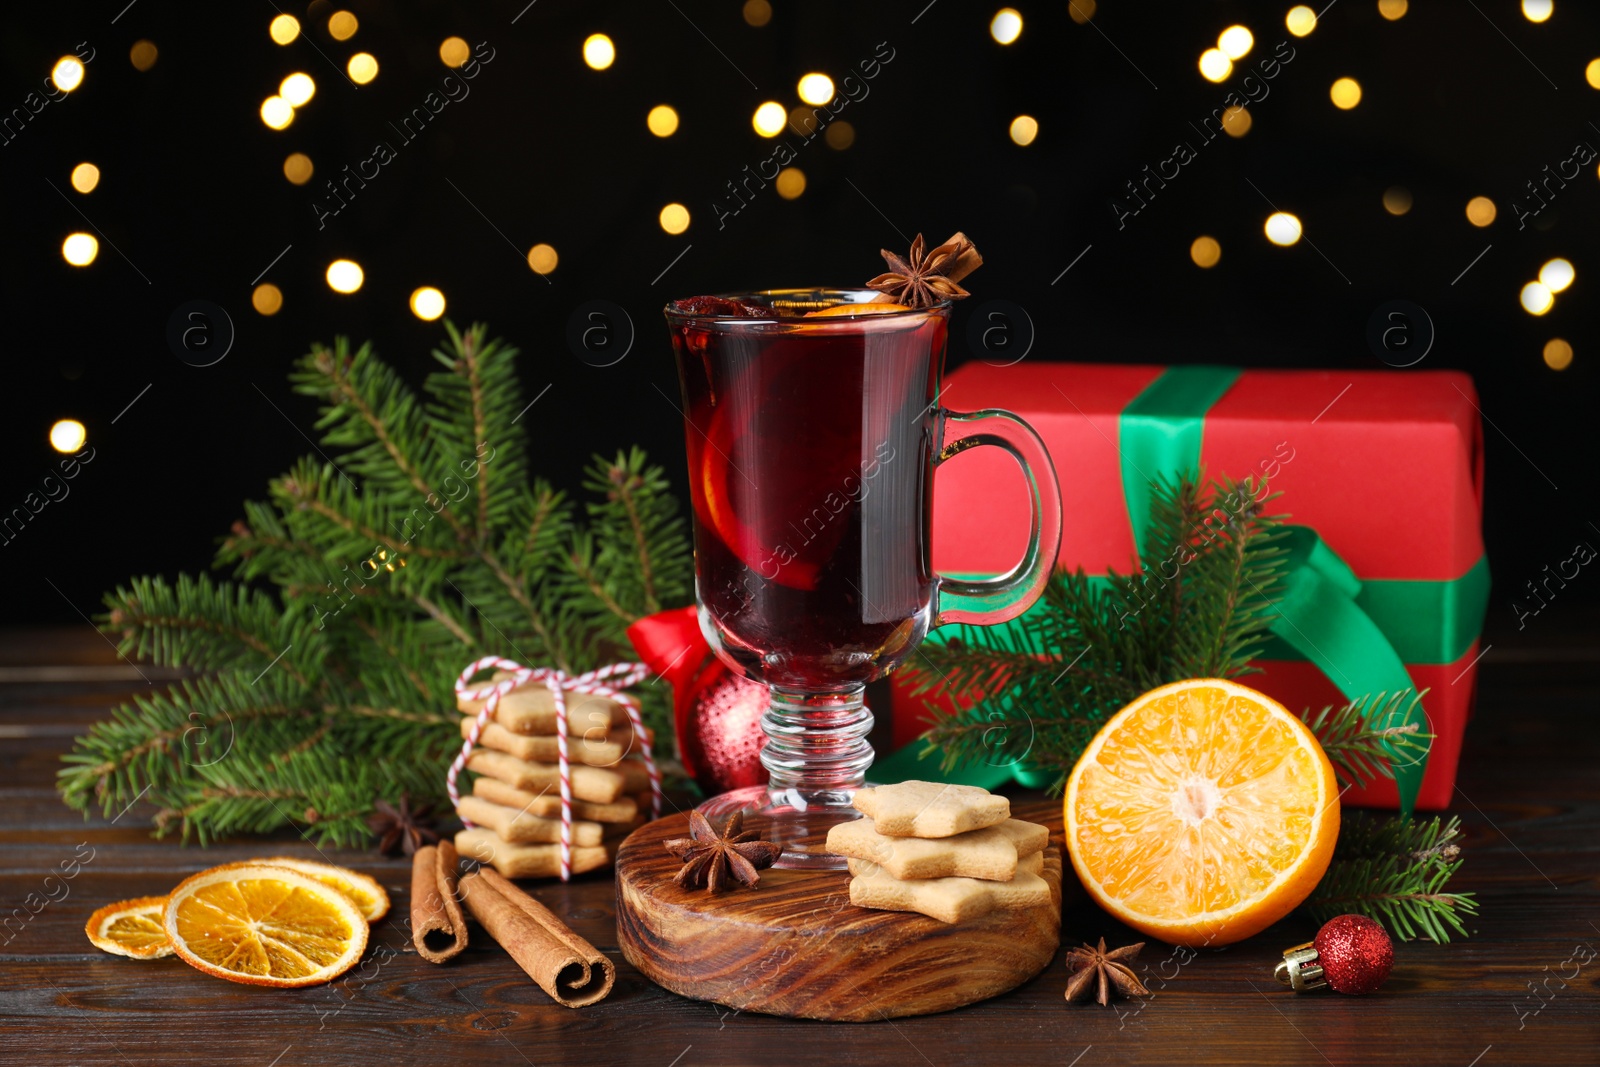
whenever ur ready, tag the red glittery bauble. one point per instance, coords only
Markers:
(1354, 952)
(723, 738)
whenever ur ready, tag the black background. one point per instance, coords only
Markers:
(1458, 101)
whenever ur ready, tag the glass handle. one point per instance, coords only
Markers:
(998, 599)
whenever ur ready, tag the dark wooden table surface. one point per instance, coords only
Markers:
(1529, 797)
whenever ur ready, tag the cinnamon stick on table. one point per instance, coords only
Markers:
(572, 971)
(438, 928)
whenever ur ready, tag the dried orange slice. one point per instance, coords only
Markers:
(367, 893)
(839, 310)
(263, 925)
(131, 928)
(1202, 813)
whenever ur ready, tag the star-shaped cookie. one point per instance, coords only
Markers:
(990, 853)
(950, 900)
(930, 809)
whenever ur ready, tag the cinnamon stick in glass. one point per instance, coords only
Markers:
(438, 927)
(572, 971)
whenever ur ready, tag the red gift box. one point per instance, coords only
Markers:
(1385, 466)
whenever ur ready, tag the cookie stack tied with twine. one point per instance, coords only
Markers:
(563, 764)
(950, 852)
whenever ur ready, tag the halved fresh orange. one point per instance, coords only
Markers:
(367, 893)
(839, 310)
(131, 928)
(263, 925)
(1202, 813)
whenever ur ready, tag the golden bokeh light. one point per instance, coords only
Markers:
(1006, 26)
(769, 119)
(67, 74)
(1300, 20)
(815, 88)
(67, 435)
(363, 67)
(1536, 298)
(1236, 42)
(1024, 128)
(757, 12)
(1215, 66)
(427, 303)
(674, 218)
(298, 89)
(267, 298)
(1282, 228)
(143, 55)
(598, 51)
(276, 112)
(1537, 10)
(284, 29)
(1557, 274)
(1205, 252)
(85, 176)
(345, 276)
(1236, 121)
(791, 182)
(1557, 354)
(342, 25)
(839, 135)
(1345, 93)
(1081, 11)
(453, 51)
(662, 120)
(79, 249)
(1591, 74)
(1480, 211)
(297, 168)
(1393, 9)
(1397, 200)
(542, 258)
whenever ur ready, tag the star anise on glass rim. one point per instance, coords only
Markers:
(1103, 970)
(711, 859)
(401, 826)
(919, 281)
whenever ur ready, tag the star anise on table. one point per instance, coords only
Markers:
(711, 859)
(401, 826)
(1103, 970)
(920, 281)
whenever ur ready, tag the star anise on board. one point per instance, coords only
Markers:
(401, 826)
(922, 280)
(711, 859)
(1103, 970)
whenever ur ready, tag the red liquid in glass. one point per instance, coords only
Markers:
(810, 467)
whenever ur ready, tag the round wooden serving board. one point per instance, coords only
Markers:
(795, 945)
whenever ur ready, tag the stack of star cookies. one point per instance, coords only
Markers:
(951, 852)
(516, 799)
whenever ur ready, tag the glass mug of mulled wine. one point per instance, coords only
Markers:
(813, 428)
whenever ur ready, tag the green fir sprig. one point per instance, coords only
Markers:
(1395, 870)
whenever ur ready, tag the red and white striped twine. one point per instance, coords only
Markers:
(619, 675)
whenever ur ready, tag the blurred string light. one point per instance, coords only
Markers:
(1205, 252)
(1300, 20)
(363, 67)
(1556, 275)
(542, 258)
(1345, 93)
(267, 298)
(67, 74)
(1215, 66)
(1282, 228)
(803, 120)
(1081, 11)
(297, 168)
(453, 51)
(1591, 74)
(345, 276)
(791, 182)
(142, 55)
(1006, 26)
(1392, 9)
(1236, 42)
(1480, 211)
(674, 218)
(79, 249)
(67, 435)
(342, 25)
(276, 112)
(1537, 10)
(1397, 200)
(1536, 298)
(598, 51)
(85, 176)
(839, 135)
(769, 119)
(816, 89)
(1557, 354)
(427, 303)
(662, 120)
(757, 12)
(284, 29)
(1236, 121)
(1024, 128)
(297, 89)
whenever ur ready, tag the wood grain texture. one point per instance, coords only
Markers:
(795, 945)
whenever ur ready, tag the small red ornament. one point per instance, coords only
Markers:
(1350, 954)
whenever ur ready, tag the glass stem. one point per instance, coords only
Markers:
(817, 752)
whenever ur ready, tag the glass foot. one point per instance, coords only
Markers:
(802, 831)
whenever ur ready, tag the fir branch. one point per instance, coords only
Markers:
(1363, 736)
(1395, 870)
